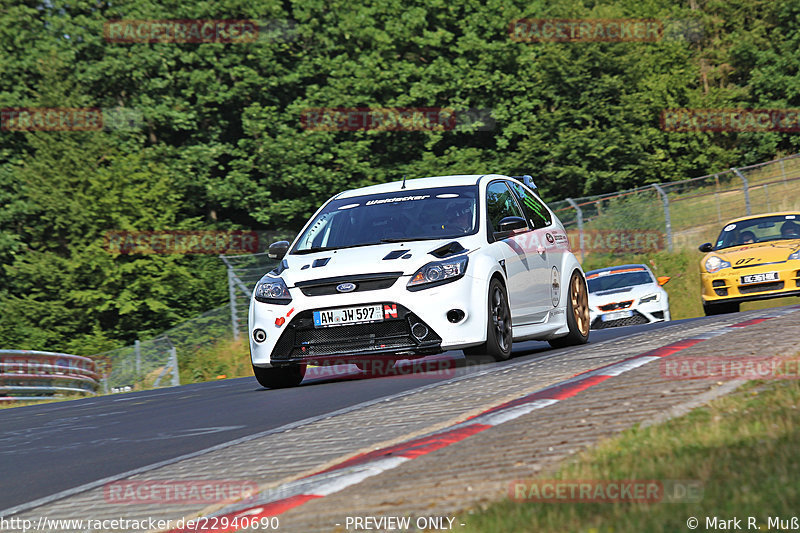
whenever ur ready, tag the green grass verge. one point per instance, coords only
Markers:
(742, 448)
(225, 358)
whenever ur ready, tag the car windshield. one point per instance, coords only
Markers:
(603, 281)
(406, 215)
(760, 229)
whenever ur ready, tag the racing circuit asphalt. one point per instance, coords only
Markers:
(49, 448)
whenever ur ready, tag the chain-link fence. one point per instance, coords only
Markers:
(141, 366)
(154, 363)
(679, 214)
(244, 271)
(201, 330)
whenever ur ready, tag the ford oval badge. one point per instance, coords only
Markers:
(346, 287)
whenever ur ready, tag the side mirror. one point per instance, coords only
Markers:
(706, 247)
(662, 280)
(510, 224)
(277, 250)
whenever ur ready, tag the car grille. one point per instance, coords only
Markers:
(761, 287)
(637, 318)
(302, 340)
(617, 305)
(364, 282)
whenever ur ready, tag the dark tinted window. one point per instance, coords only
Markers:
(407, 215)
(536, 213)
(500, 204)
(617, 281)
(761, 229)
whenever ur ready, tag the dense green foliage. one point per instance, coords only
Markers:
(221, 143)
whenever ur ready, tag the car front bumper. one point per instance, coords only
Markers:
(725, 285)
(647, 313)
(291, 336)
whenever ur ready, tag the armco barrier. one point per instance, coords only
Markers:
(33, 375)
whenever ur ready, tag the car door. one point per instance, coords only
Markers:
(546, 239)
(526, 271)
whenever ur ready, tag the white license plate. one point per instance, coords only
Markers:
(760, 278)
(616, 315)
(348, 315)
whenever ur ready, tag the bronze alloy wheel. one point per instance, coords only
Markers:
(580, 304)
(577, 309)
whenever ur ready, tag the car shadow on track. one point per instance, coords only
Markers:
(435, 367)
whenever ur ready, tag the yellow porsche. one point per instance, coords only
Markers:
(754, 258)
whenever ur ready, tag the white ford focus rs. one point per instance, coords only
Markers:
(408, 269)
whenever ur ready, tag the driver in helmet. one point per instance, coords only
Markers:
(790, 230)
(460, 218)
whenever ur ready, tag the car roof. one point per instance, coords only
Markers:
(620, 268)
(762, 215)
(416, 184)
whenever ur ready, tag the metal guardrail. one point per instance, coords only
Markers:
(35, 375)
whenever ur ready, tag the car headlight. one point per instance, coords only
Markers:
(649, 298)
(715, 264)
(795, 255)
(272, 291)
(438, 273)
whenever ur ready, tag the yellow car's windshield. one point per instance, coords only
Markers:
(759, 229)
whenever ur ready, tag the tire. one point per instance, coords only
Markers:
(577, 314)
(499, 336)
(280, 377)
(720, 309)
